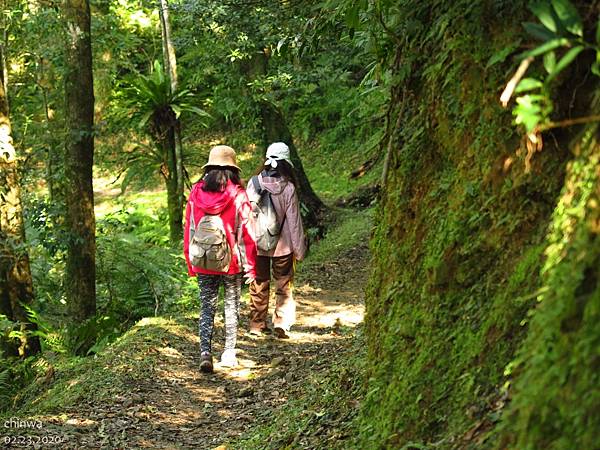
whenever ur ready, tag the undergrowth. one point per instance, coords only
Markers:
(64, 382)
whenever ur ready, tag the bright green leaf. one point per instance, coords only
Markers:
(565, 61)
(527, 118)
(544, 12)
(568, 16)
(539, 31)
(548, 46)
(550, 61)
(527, 84)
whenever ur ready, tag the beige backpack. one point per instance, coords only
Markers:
(208, 248)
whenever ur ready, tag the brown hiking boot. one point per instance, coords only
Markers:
(206, 362)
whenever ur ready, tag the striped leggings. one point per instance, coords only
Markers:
(209, 293)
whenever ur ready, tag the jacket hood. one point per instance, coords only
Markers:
(213, 202)
(275, 185)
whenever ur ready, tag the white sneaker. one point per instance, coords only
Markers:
(228, 358)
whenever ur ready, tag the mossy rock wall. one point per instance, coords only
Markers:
(469, 240)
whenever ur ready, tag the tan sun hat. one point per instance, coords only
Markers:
(222, 155)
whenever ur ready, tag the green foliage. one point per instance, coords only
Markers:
(555, 400)
(147, 102)
(351, 228)
(51, 338)
(148, 95)
(139, 275)
(560, 30)
(15, 375)
(5, 387)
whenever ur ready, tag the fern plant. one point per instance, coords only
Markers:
(5, 388)
(148, 103)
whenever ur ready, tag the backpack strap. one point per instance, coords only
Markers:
(259, 190)
(257, 187)
(192, 229)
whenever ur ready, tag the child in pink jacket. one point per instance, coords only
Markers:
(277, 178)
(220, 192)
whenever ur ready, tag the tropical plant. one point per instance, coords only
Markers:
(150, 104)
(561, 34)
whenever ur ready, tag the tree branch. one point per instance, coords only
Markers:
(570, 122)
(512, 84)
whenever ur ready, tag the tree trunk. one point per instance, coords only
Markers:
(176, 197)
(80, 276)
(16, 285)
(275, 129)
(163, 134)
(174, 204)
(54, 163)
(168, 47)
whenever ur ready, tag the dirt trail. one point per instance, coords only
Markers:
(174, 405)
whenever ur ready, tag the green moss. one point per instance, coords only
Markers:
(459, 251)
(556, 398)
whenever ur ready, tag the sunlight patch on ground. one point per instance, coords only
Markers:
(108, 197)
(239, 373)
(307, 289)
(314, 313)
(170, 352)
(301, 337)
(338, 317)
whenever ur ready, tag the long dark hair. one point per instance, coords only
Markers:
(216, 178)
(284, 169)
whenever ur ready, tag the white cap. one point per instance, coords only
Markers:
(276, 152)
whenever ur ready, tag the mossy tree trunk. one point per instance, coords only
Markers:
(80, 272)
(16, 285)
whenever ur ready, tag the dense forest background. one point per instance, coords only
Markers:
(467, 131)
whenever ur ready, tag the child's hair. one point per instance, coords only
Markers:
(216, 178)
(284, 169)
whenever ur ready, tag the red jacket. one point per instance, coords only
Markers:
(230, 203)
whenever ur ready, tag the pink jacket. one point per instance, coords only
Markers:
(285, 200)
(233, 207)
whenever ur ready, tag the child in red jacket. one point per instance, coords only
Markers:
(219, 198)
